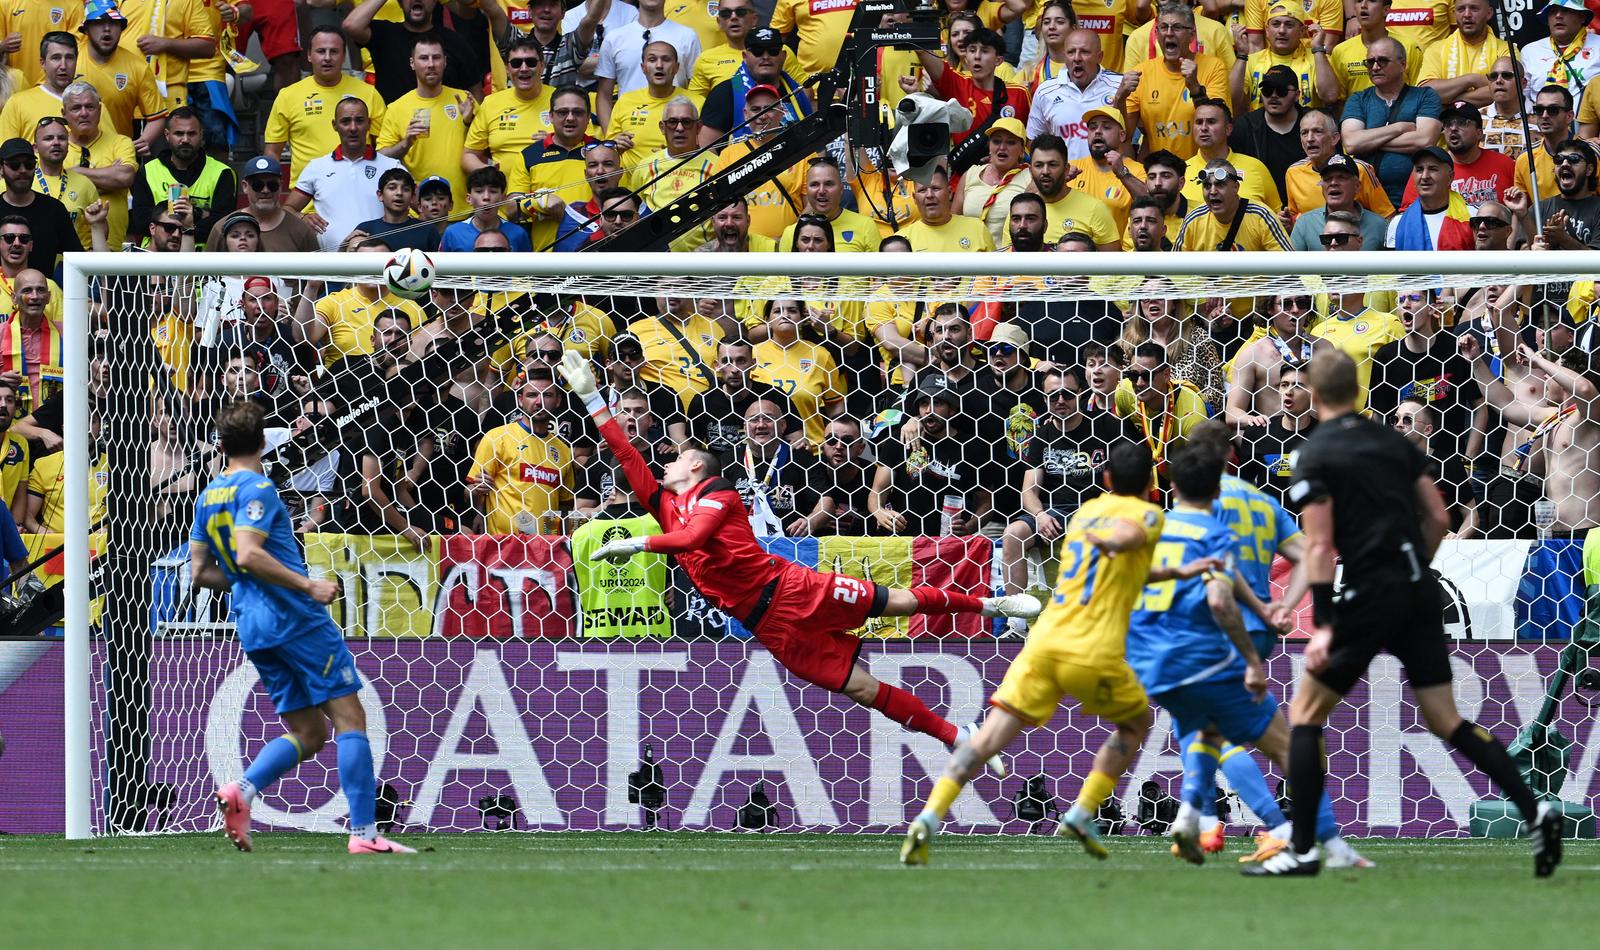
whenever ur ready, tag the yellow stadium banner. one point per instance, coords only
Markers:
(386, 587)
(885, 561)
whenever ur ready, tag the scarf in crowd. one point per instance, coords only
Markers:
(795, 102)
(1455, 234)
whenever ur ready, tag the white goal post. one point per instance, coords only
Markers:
(917, 276)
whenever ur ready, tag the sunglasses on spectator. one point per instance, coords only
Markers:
(679, 121)
(491, 250)
(1569, 158)
(170, 227)
(21, 164)
(1295, 303)
(1215, 176)
(1063, 394)
(1003, 349)
(1276, 91)
(1549, 109)
(765, 50)
(264, 183)
(1140, 375)
(619, 214)
(21, 238)
(523, 62)
(761, 417)
(1375, 62)
(1493, 224)
(1336, 240)
(631, 355)
(548, 356)
(1501, 74)
(1413, 298)
(728, 13)
(840, 440)
(570, 112)
(603, 143)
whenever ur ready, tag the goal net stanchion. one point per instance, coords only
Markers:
(519, 713)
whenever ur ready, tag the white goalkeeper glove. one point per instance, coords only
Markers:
(618, 551)
(580, 379)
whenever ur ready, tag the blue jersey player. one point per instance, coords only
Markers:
(243, 541)
(1188, 645)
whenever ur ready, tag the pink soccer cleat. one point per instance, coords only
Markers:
(235, 813)
(378, 845)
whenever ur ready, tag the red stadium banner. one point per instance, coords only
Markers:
(960, 564)
(505, 586)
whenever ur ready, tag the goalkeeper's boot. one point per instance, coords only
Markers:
(1545, 829)
(1186, 835)
(1083, 828)
(995, 763)
(1212, 840)
(1286, 863)
(235, 814)
(378, 845)
(1339, 854)
(1021, 606)
(914, 849)
(1267, 845)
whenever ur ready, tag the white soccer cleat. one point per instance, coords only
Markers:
(1286, 863)
(1339, 854)
(1020, 606)
(995, 763)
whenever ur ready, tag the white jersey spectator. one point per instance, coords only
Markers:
(1060, 102)
(345, 189)
(623, 47)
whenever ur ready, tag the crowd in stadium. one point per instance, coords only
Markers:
(1115, 127)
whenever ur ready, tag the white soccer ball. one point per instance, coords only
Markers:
(409, 273)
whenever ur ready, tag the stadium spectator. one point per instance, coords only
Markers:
(843, 479)
(276, 23)
(618, 208)
(486, 192)
(209, 184)
(45, 510)
(794, 359)
(1419, 423)
(1066, 209)
(1051, 56)
(721, 56)
(1491, 227)
(941, 229)
(281, 229)
(1160, 96)
(726, 113)
(1254, 396)
(23, 27)
(1351, 323)
(104, 157)
(1228, 222)
(1552, 117)
(51, 227)
(1063, 470)
(342, 324)
(340, 182)
(55, 180)
(1390, 121)
(620, 69)
(1280, 42)
(1341, 178)
(1480, 174)
(824, 192)
(302, 117)
(1345, 70)
(930, 481)
(266, 331)
(1569, 56)
(521, 473)
(1266, 451)
(1271, 134)
(1025, 223)
(1163, 177)
(773, 476)
(396, 193)
(980, 91)
(509, 121)
(1191, 356)
(1457, 67)
(1164, 409)
(564, 48)
(1502, 118)
(1103, 365)
(426, 128)
(1572, 217)
(32, 352)
(662, 176)
(1425, 366)
(882, 194)
(1106, 173)
(730, 231)
(622, 374)
(172, 35)
(1437, 220)
(1007, 402)
(1061, 102)
(602, 172)
(58, 54)
(1319, 137)
(551, 169)
(598, 492)
(952, 358)
(815, 30)
(1212, 136)
(16, 456)
(715, 418)
(1147, 226)
(390, 44)
(679, 344)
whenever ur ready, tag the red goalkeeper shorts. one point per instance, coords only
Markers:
(804, 623)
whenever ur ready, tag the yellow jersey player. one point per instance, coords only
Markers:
(1077, 648)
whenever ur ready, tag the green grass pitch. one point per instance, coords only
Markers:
(674, 889)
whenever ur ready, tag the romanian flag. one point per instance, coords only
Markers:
(961, 564)
(1455, 234)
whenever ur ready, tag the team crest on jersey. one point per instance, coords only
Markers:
(1007, 112)
(56, 13)
(120, 80)
(712, 6)
(554, 453)
(966, 243)
(13, 454)
(101, 478)
(805, 365)
(1361, 327)
(450, 111)
(847, 235)
(313, 106)
(1150, 518)
(706, 339)
(255, 511)
(372, 171)
(576, 336)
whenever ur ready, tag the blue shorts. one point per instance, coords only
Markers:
(308, 670)
(1224, 704)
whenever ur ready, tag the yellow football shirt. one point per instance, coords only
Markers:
(19, 119)
(1260, 231)
(505, 123)
(15, 466)
(775, 204)
(126, 85)
(1080, 211)
(589, 332)
(439, 151)
(1348, 60)
(33, 19)
(547, 167)
(1210, 37)
(530, 473)
(1107, 19)
(302, 117)
(1106, 187)
(960, 233)
(1304, 185)
(1162, 107)
(1548, 188)
(638, 113)
(74, 191)
(1086, 620)
(1453, 56)
(697, 15)
(851, 232)
(106, 150)
(1258, 184)
(1423, 22)
(173, 19)
(669, 363)
(46, 481)
(870, 199)
(807, 374)
(350, 315)
(1360, 335)
(718, 63)
(821, 25)
(1327, 13)
(1301, 61)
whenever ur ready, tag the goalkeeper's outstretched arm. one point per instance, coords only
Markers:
(575, 369)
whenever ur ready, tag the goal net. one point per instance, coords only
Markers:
(913, 419)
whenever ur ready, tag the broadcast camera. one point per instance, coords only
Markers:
(922, 142)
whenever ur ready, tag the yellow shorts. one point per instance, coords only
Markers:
(1036, 682)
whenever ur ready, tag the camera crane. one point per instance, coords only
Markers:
(847, 103)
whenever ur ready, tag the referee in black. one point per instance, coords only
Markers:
(1364, 494)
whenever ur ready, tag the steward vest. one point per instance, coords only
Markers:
(202, 194)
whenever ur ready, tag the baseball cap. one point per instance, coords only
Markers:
(1011, 125)
(626, 340)
(257, 285)
(1009, 333)
(434, 183)
(1434, 152)
(1284, 9)
(1111, 114)
(16, 148)
(1462, 110)
(1280, 77)
(1341, 164)
(262, 165)
(765, 87)
(935, 387)
(1576, 6)
(764, 40)
(98, 10)
(240, 217)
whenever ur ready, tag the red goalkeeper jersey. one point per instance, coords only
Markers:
(706, 528)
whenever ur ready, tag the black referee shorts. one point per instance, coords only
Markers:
(1396, 616)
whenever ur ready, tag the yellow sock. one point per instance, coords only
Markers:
(1096, 790)
(944, 795)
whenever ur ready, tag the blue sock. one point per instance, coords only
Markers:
(1200, 760)
(279, 756)
(1208, 810)
(359, 784)
(1327, 825)
(1245, 777)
